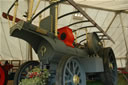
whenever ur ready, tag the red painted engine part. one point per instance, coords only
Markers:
(7, 67)
(3, 76)
(10, 17)
(4, 73)
(66, 35)
(122, 70)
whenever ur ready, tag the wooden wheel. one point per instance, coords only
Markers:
(70, 72)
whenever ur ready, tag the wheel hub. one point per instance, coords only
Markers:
(76, 79)
(111, 66)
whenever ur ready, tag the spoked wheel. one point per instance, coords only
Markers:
(109, 76)
(3, 76)
(70, 72)
(23, 71)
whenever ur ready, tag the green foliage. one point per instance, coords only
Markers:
(36, 76)
(121, 80)
(32, 81)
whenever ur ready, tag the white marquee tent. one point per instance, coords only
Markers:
(111, 15)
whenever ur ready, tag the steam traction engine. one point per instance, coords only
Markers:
(68, 62)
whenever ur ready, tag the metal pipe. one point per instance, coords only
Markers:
(80, 36)
(82, 28)
(67, 14)
(30, 9)
(15, 12)
(40, 17)
(9, 12)
(56, 20)
(36, 7)
(11, 7)
(86, 32)
(75, 37)
(54, 14)
(9, 21)
(82, 40)
(77, 23)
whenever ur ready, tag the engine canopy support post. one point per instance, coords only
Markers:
(54, 14)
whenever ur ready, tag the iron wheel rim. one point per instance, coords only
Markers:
(26, 67)
(68, 69)
(113, 70)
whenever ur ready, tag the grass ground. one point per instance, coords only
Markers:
(121, 81)
(94, 83)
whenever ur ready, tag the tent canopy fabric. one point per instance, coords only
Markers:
(107, 4)
(101, 11)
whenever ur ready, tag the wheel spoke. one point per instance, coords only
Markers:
(68, 81)
(74, 67)
(78, 72)
(69, 71)
(68, 77)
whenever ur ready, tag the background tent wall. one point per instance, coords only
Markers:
(19, 48)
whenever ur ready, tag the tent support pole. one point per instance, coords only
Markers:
(124, 36)
(29, 17)
(111, 22)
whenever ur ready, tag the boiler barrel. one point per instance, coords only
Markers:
(48, 47)
(54, 49)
